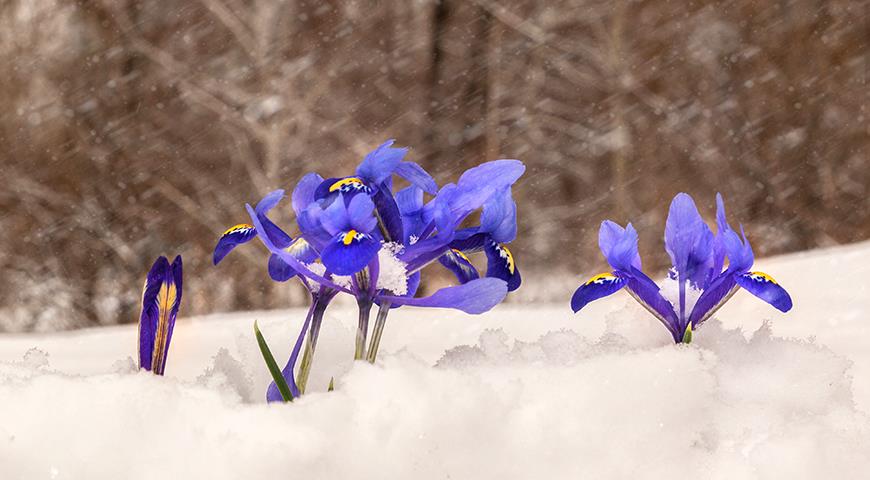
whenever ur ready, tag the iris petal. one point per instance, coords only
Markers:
(468, 240)
(599, 286)
(330, 188)
(410, 200)
(499, 217)
(381, 162)
(303, 194)
(359, 214)
(501, 264)
(458, 263)
(302, 250)
(475, 188)
(415, 174)
(476, 296)
(279, 271)
(495, 175)
(689, 241)
(388, 211)
(334, 218)
(410, 204)
(647, 293)
(161, 300)
(269, 201)
(234, 236)
(619, 245)
(293, 261)
(349, 252)
(764, 287)
(309, 222)
(717, 293)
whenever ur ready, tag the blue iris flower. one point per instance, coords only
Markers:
(703, 282)
(461, 297)
(358, 238)
(473, 297)
(374, 177)
(433, 227)
(357, 231)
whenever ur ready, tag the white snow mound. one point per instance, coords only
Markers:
(523, 392)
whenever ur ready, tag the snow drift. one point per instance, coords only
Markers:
(523, 392)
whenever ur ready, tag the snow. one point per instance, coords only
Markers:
(525, 391)
(671, 292)
(392, 273)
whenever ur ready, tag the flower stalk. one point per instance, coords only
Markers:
(365, 310)
(318, 308)
(378, 331)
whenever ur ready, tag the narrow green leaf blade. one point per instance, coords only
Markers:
(331, 386)
(273, 367)
(687, 335)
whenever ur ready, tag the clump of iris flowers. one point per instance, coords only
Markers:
(699, 283)
(161, 299)
(359, 237)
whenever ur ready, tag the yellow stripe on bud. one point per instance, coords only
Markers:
(349, 237)
(345, 181)
(165, 300)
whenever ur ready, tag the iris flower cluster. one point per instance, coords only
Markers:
(704, 282)
(359, 237)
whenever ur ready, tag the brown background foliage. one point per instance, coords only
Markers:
(134, 128)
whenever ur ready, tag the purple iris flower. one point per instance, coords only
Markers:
(161, 300)
(374, 177)
(701, 279)
(470, 298)
(433, 227)
(364, 239)
(356, 238)
(498, 227)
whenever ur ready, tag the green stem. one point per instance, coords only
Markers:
(365, 309)
(378, 331)
(310, 346)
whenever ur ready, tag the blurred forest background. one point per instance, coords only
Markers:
(135, 128)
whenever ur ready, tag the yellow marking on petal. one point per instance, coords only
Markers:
(509, 257)
(763, 276)
(460, 254)
(599, 277)
(298, 245)
(239, 227)
(165, 300)
(349, 237)
(345, 181)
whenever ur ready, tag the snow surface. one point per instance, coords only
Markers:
(521, 392)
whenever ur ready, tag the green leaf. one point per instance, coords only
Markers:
(331, 386)
(273, 367)
(687, 335)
